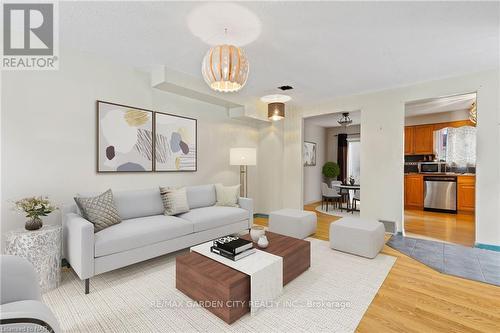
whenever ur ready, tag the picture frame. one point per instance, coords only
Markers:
(175, 142)
(309, 153)
(124, 138)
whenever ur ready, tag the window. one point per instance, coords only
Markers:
(353, 158)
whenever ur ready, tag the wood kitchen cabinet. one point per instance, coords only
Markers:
(414, 192)
(409, 137)
(423, 140)
(466, 194)
(419, 140)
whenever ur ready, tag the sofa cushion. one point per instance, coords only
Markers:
(201, 196)
(174, 200)
(138, 232)
(206, 218)
(138, 203)
(99, 210)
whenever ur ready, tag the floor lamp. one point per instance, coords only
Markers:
(243, 157)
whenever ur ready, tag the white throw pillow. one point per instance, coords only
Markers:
(174, 200)
(227, 195)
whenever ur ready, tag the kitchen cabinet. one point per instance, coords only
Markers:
(466, 193)
(423, 140)
(409, 137)
(419, 140)
(414, 191)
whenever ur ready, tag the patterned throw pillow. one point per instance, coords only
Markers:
(174, 200)
(99, 210)
(227, 195)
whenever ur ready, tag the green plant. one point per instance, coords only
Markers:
(331, 170)
(34, 207)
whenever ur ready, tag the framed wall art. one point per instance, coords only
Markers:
(124, 138)
(309, 153)
(175, 143)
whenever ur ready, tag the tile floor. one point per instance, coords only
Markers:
(466, 262)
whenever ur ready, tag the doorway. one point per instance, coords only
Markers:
(440, 169)
(331, 164)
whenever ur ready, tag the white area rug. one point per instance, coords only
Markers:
(336, 212)
(331, 296)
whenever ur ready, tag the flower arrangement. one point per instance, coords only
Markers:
(34, 208)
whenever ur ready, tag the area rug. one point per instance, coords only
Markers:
(336, 212)
(465, 262)
(331, 296)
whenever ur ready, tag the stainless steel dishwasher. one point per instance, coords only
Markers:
(440, 194)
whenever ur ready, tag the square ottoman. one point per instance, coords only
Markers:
(293, 222)
(362, 237)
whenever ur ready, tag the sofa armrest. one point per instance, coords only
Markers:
(247, 204)
(28, 316)
(78, 244)
(19, 280)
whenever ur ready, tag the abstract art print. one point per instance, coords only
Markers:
(124, 138)
(309, 152)
(175, 141)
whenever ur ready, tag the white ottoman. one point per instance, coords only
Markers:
(293, 222)
(357, 236)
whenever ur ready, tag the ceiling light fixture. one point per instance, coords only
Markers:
(473, 113)
(276, 111)
(225, 68)
(345, 120)
(275, 98)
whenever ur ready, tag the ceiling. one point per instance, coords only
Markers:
(322, 49)
(330, 120)
(440, 105)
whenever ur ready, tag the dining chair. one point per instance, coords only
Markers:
(356, 198)
(343, 194)
(329, 195)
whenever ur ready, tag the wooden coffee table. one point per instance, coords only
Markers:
(225, 291)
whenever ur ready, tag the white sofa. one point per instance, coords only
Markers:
(145, 232)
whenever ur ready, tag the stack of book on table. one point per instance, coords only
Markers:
(232, 247)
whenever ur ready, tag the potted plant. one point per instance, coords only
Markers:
(331, 171)
(34, 208)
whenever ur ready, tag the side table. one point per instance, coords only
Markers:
(42, 248)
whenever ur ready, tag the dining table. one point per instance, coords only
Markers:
(347, 188)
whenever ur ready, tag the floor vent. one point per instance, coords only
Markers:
(390, 226)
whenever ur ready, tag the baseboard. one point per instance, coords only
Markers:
(487, 247)
(265, 216)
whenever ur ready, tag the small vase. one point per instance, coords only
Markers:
(256, 232)
(33, 224)
(263, 242)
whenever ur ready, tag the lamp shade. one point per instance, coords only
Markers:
(276, 111)
(243, 156)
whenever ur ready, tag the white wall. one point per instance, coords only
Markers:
(434, 118)
(332, 139)
(313, 175)
(382, 123)
(48, 133)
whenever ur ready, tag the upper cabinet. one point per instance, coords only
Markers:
(409, 134)
(423, 140)
(419, 140)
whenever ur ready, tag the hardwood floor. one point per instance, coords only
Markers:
(453, 228)
(416, 298)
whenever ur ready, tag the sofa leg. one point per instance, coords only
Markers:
(86, 286)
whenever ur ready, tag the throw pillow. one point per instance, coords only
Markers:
(227, 195)
(99, 210)
(174, 200)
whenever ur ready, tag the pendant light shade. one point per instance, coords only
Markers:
(225, 68)
(276, 111)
